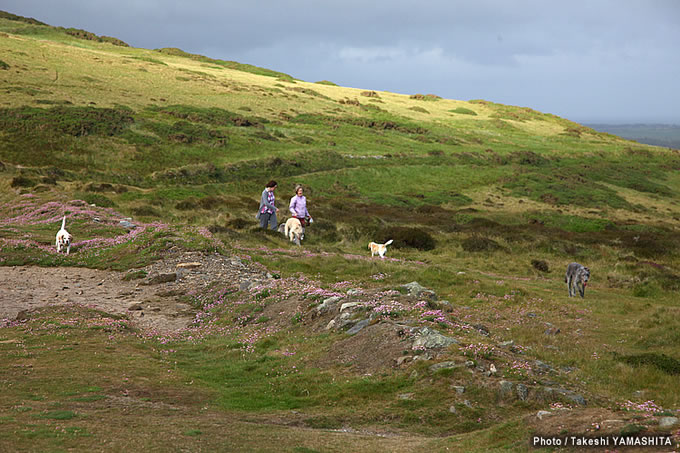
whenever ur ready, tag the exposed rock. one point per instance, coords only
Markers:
(551, 331)
(567, 394)
(245, 285)
(162, 278)
(542, 367)
(414, 289)
(127, 225)
(23, 315)
(347, 305)
(445, 366)
(429, 339)
(135, 307)
(522, 392)
(506, 388)
(327, 304)
(668, 422)
(482, 329)
(403, 359)
(459, 388)
(358, 326)
(193, 265)
(542, 414)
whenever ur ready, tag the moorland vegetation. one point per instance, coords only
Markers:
(486, 204)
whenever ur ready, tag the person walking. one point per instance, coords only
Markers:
(268, 210)
(298, 208)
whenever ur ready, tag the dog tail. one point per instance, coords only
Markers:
(63, 223)
(388, 242)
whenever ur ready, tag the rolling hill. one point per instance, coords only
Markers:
(158, 158)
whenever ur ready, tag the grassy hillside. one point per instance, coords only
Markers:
(487, 204)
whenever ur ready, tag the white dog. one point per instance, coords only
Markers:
(378, 249)
(293, 230)
(64, 238)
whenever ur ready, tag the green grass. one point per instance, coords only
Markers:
(183, 144)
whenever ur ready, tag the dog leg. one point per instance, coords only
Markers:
(569, 288)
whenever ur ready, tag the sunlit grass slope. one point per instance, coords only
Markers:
(487, 204)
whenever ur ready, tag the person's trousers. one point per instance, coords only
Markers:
(268, 219)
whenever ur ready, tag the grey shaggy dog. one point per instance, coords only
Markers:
(576, 278)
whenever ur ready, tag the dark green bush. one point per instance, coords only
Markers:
(73, 121)
(239, 223)
(323, 230)
(480, 244)
(22, 181)
(103, 187)
(97, 199)
(146, 211)
(405, 237)
(463, 111)
(4, 65)
(667, 364)
(540, 265)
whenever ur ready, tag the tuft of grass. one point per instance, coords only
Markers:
(463, 111)
(667, 364)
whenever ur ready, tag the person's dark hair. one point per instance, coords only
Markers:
(271, 183)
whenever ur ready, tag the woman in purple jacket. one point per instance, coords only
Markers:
(298, 208)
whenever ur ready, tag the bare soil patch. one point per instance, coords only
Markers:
(158, 301)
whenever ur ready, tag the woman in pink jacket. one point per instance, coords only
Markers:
(298, 208)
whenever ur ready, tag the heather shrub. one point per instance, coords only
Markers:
(425, 97)
(73, 121)
(667, 364)
(405, 237)
(323, 230)
(463, 111)
(22, 181)
(96, 199)
(240, 224)
(146, 211)
(540, 265)
(480, 244)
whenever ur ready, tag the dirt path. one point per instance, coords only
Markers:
(154, 302)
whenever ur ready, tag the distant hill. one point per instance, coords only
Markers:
(667, 135)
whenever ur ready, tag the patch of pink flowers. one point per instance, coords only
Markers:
(478, 350)
(648, 408)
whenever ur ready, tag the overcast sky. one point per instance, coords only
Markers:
(586, 60)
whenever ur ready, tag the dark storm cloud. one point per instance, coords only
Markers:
(587, 60)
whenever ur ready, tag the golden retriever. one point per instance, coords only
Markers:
(379, 249)
(293, 230)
